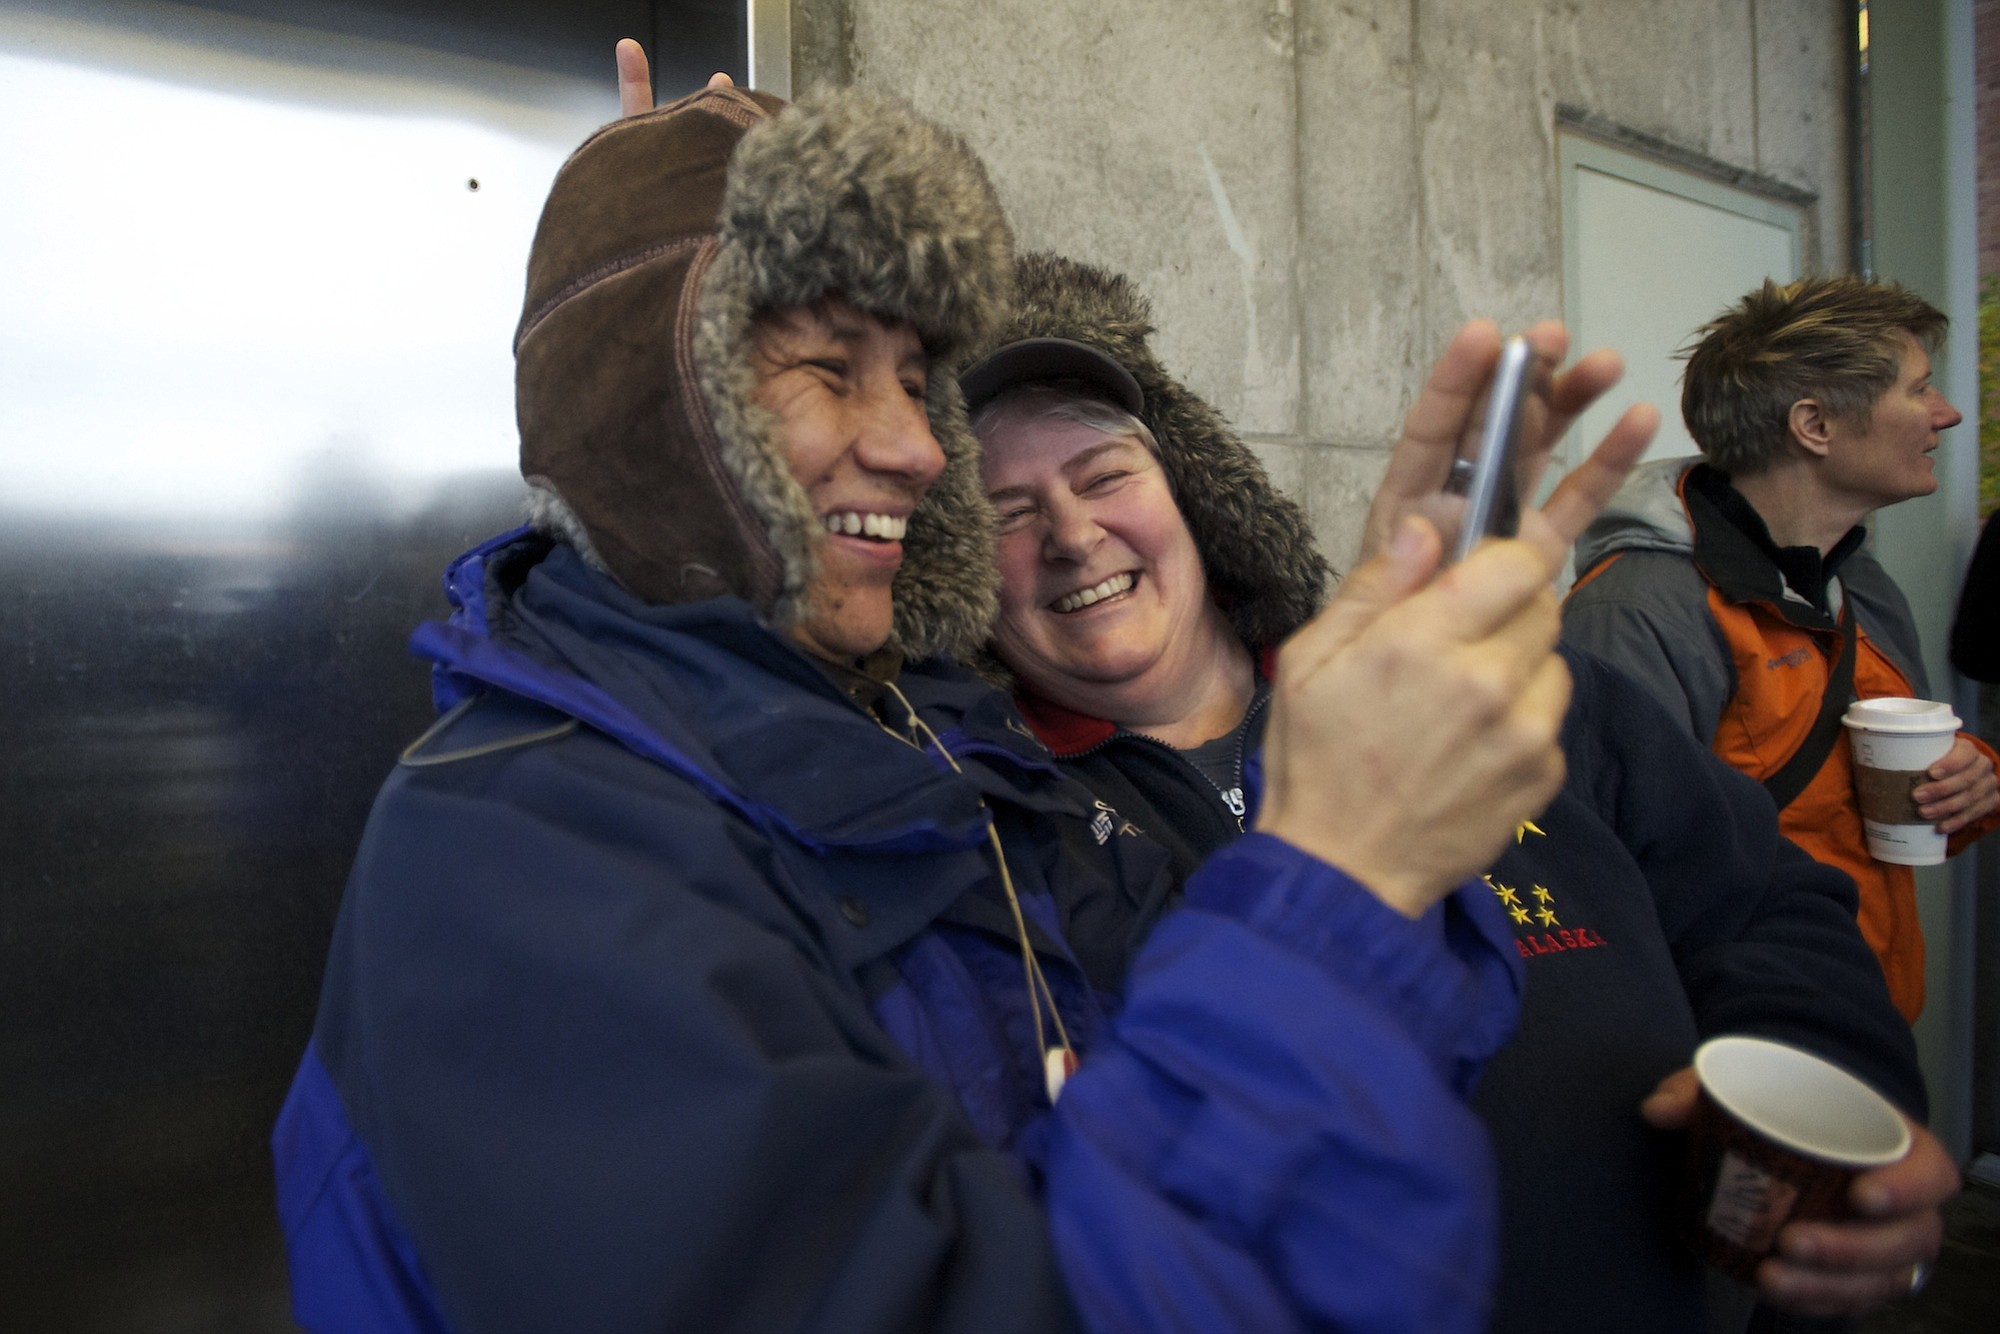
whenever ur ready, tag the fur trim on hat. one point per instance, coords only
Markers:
(1264, 567)
(850, 192)
(664, 237)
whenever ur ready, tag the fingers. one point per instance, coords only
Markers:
(1415, 722)
(1835, 1268)
(1957, 810)
(1964, 766)
(1977, 807)
(1567, 396)
(1923, 1178)
(1421, 460)
(1446, 416)
(1368, 590)
(1807, 1290)
(1543, 416)
(1587, 488)
(1671, 1102)
(1842, 1268)
(1549, 339)
(1473, 600)
(1962, 756)
(1962, 789)
(1511, 582)
(1450, 398)
(1583, 384)
(1542, 708)
(635, 78)
(1557, 398)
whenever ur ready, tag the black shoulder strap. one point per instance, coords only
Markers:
(1791, 780)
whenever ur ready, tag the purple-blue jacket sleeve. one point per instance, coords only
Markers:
(1276, 1136)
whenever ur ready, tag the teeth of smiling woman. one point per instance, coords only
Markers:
(1117, 583)
(882, 527)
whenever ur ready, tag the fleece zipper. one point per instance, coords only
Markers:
(1233, 799)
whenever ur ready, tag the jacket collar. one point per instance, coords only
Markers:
(1068, 733)
(711, 692)
(1734, 551)
(1064, 731)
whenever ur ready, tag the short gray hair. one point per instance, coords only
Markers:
(1063, 400)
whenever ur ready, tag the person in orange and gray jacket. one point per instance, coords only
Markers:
(1737, 589)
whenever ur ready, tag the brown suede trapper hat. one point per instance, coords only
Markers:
(663, 237)
(1257, 548)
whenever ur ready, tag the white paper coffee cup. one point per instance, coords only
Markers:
(1895, 741)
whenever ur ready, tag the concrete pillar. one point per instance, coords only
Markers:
(1925, 211)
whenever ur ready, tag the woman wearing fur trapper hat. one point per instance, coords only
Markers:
(1146, 559)
(717, 960)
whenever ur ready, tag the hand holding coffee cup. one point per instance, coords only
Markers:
(1777, 1135)
(1962, 790)
(1895, 742)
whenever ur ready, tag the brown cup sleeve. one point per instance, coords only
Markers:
(1884, 794)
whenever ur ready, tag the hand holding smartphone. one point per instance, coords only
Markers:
(1488, 480)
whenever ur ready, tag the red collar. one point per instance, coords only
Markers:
(1066, 732)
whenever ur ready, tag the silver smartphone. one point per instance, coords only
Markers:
(1487, 480)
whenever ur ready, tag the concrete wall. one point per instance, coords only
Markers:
(1315, 194)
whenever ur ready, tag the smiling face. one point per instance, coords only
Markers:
(848, 392)
(1886, 457)
(1104, 606)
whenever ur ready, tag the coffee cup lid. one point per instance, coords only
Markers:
(1896, 714)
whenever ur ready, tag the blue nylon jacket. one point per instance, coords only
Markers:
(670, 991)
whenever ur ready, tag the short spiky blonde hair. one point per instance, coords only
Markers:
(1831, 339)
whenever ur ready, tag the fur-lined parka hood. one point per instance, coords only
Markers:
(1264, 568)
(664, 235)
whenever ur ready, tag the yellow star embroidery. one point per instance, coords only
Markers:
(1525, 828)
(1547, 918)
(1508, 895)
(1542, 894)
(1519, 914)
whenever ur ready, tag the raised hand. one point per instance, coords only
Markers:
(1443, 424)
(1415, 721)
(635, 78)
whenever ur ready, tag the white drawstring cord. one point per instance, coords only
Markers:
(1060, 1061)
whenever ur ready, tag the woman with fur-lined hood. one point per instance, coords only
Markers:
(1148, 566)
(727, 958)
